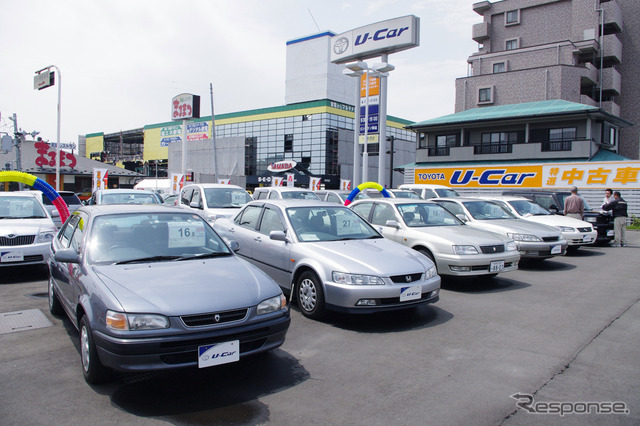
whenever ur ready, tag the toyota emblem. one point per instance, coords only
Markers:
(216, 318)
(341, 45)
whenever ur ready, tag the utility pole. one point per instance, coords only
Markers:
(391, 140)
(16, 142)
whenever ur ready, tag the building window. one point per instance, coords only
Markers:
(499, 67)
(511, 44)
(512, 17)
(560, 139)
(288, 143)
(422, 140)
(496, 143)
(485, 95)
(609, 134)
(446, 140)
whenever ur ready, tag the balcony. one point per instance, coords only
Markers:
(611, 81)
(612, 49)
(587, 100)
(555, 146)
(480, 32)
(611, 107)
(506, 148)
(612, 17)
(441, 151)
(481, 7)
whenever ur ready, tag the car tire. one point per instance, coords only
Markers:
(429, 255)
(92, 369)
(55, 307)
(309, 295)
(490, 275)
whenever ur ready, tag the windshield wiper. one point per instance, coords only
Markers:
(149, 259)
(204, 255)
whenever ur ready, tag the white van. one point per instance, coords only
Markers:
(428, 191)
(213, 200)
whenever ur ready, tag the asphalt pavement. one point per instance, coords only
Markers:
(555, 342)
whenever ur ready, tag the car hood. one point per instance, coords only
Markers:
(557, 220)
(460, 235)
(518, 226)
(25, 226)
(378, 256)
(187, 287)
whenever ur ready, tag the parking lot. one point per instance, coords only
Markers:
(566, 330)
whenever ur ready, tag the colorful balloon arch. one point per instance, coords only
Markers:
(39, 184)
(366, 185)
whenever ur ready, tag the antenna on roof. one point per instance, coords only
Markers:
(314, 19)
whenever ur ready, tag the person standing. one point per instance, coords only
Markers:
(574, 205)
(608, 197)
(619, 208)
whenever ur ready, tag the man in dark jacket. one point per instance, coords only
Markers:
(619, 209)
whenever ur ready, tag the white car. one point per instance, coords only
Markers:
(427, 191)
(455, 248)
(284, 193)
(213, 200)
(534, 240)
(577, 232)
(26, 229)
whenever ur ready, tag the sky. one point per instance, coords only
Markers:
(122, 61)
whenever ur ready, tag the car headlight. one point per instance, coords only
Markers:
(121, 321)
(590, 219)
(524, 237)
(45, 237)
(356, 279)
(565, 229)
(465, 250)
(511, 246)
(272, 305)
(431, 272)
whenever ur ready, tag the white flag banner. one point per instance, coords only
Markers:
(177, 182)
(224, 181)
(345, 184)
(290, 179)
(276, 181)
(100, 179)
(314, 183)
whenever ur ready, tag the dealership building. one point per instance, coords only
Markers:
(313, 131)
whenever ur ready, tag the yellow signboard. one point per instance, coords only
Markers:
(565, 175)
(374, 86)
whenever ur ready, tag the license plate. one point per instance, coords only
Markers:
(586, 239)
(610, 233)
(219, 353)
(556, 249)
(410, 293)
(496, 266)
(11, 256)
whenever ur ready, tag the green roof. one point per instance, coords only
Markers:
(606, 155)
(513, 111)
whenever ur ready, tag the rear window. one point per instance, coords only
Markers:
(70, 199)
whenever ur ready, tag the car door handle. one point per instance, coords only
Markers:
(232, 229)
(257, 239)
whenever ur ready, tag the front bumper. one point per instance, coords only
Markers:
(541, 249)
(344, 297)
(476, 264)
(580, 238)
(33, 254)
(178, 351)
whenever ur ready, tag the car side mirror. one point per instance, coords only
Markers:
(462, 217)
(195, 205)
(278, 236)
(67, 255)
(553, 209)
(392, 224)
(233, 245)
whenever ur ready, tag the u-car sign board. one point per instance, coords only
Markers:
(370, 41)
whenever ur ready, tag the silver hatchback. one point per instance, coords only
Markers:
(330, 258)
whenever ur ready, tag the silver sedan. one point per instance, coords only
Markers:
(457, 249)
(330, 258)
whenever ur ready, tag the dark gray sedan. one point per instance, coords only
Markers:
(155, 288)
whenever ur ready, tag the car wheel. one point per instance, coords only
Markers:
(92, 369)
(430, 256)
(55, 307)
(309, 295)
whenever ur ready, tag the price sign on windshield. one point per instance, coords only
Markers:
(185, 234)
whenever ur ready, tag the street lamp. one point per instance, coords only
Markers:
(379, 70)
(41, 81)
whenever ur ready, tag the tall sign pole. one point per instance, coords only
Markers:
(184, 107)
(213, 138)
(45, 78)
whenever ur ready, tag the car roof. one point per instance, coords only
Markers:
(422, 185)
(212, 185)
(281, 189)
(33, 194)
(503, 198)
(286, 203)
(126, 191)
(394, 201)
(104, 209)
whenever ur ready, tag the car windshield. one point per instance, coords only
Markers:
(20, 208)
(129, 198)
(146, 237)
(224, 198)
(427, 214)
(446, 193)
(70, 199)
(299, 195)
(406, 194)
(529, 208)
(486, 210)
(329, 224)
